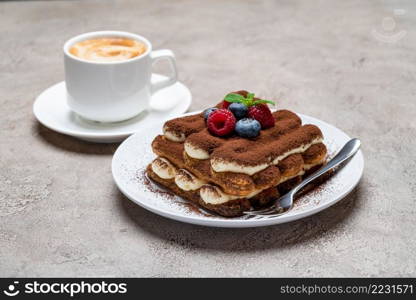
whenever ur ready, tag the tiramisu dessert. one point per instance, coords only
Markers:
(236, 156)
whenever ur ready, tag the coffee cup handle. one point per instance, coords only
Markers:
(173, 78)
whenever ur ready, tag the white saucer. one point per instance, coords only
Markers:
(51, 110)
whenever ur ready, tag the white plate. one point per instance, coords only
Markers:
(134, 154)
(51, 110)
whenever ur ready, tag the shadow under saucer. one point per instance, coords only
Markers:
(72, 144)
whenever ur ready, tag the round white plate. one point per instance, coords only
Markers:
(134, 154)
(51, 110)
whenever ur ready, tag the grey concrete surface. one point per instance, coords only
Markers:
(350, 63)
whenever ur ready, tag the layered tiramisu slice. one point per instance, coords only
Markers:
(235, 156)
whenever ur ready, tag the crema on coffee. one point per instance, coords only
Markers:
(108, 49)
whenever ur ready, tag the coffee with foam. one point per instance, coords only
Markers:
(108, 49)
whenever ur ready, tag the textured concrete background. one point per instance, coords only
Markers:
(345, 62)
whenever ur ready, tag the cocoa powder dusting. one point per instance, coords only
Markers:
(142, 176)
(150, 185)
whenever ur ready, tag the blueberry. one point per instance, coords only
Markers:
(239, 110)
(248, 128)
(209, 111)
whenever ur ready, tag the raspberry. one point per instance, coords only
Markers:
(225, 104)
(262, 113)
(221, 122)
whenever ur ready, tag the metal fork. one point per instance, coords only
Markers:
(285, 203)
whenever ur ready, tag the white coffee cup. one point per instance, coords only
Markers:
(116, 90)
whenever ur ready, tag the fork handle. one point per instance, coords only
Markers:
(348, 151)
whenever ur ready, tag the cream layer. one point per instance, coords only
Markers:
(220, 165)
(183, 179)
(173, 136)
(209, 193)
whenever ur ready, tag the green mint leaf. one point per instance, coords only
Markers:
(263, 102)
(234, 98)
(247, 102)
